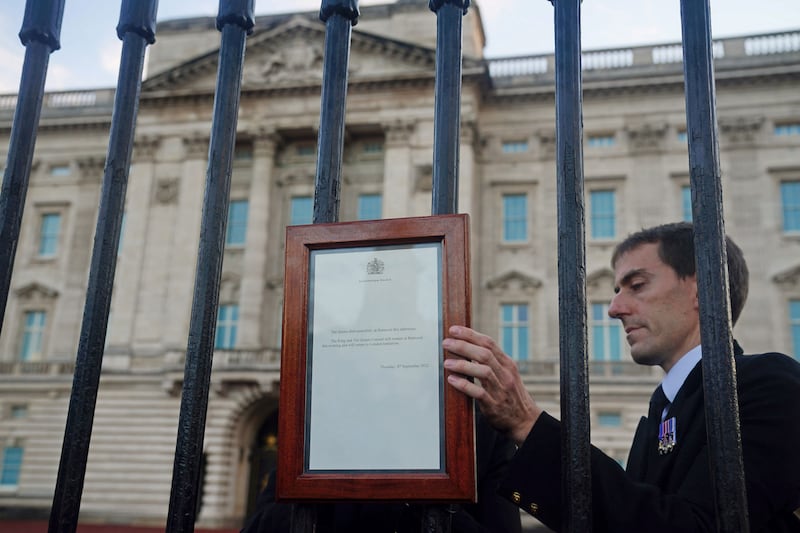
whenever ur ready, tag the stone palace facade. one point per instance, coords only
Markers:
(636, 170)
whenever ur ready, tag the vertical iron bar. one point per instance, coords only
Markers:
(446, 142)
(447, 106)
(40, 34)
(136, 29)
(575, 441)
(339, 17)
(719, 372)
(235, 20)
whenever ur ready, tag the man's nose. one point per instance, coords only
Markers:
(617, 308)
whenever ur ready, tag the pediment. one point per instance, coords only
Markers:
(788, 278)
(513, 280)
(291, 55)
(600, 278)
(36, 292)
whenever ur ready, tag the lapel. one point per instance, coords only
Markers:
(637, 457)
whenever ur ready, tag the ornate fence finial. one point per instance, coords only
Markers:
(239, 12)
(42, 23)
(346, 8)
(434, 5)
(138, 17)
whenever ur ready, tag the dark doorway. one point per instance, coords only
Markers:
(263, 458)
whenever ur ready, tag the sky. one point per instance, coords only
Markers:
(90, 49)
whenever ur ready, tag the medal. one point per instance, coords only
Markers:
(667, 436)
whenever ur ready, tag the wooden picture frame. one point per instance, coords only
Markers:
(365, 410)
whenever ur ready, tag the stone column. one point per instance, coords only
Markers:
(182, 261)
(398, 169)
(128, 279)
(251, 333)
(468, 193)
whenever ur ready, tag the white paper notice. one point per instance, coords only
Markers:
(375, 390)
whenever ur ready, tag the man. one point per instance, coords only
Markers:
(668, 484)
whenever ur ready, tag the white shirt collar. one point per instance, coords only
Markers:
(674, 379)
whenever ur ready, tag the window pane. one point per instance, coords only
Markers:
(302, 210)
(515, 217)
(236, 230)
(515, 147)
(686, 201)
(598, 350)
(48, 238)
(514, 330)
(603, 215)
(522, 341)
(227, 325)
(32, 333)
(369, 207)
(790, 200)
(12, 464)
(606, 334)
(609, 419)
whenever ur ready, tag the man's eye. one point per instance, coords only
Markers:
(636, 286)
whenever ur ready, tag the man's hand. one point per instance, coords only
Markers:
(502, 396)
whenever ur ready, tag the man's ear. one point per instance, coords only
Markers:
(695, 293)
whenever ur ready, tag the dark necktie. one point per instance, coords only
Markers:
(657, 404)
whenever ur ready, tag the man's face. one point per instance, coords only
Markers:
(658, 310)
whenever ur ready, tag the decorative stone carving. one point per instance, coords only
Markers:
(547, 144)
(145, 147)
(398, 132)
(91, 168)
(646, 137)
(266, 141)
(788, 279)
(513, 280)
(423, 179)
(166, 191)
(600, 279)
(229, 287)
(469, 132)
(740, 130)
(34, 293)
(295, 177)
(196, 146)
(296, 61)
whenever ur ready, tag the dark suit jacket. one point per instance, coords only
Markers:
(492, 514)
(673, 492)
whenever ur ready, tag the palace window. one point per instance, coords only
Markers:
(11, 466)
(48, 234)
(60, 170)
(514, 330)
(603, 214)
(515, 217)
(32, 335)
(782, 130)
(301, 210)
(236, 230)
(686, 203)
(369, 207)
(790, 203)
(609, 419)
(601, 141)
(515, 147)
(227, 324)
(606, 334)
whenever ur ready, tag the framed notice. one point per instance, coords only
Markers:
(365, 413)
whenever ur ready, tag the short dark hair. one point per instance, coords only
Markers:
(676, 249)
